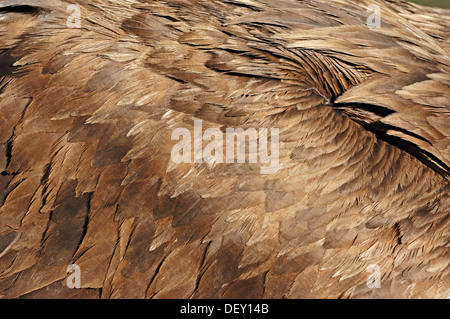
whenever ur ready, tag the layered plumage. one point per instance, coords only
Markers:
(86, 116)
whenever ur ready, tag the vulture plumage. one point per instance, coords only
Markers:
(92, 91)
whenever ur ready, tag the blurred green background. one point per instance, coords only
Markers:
(433, 3)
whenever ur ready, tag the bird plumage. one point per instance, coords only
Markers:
(86, 116)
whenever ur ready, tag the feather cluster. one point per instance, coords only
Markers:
(86, 116)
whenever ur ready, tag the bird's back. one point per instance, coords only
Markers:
(92, 94)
